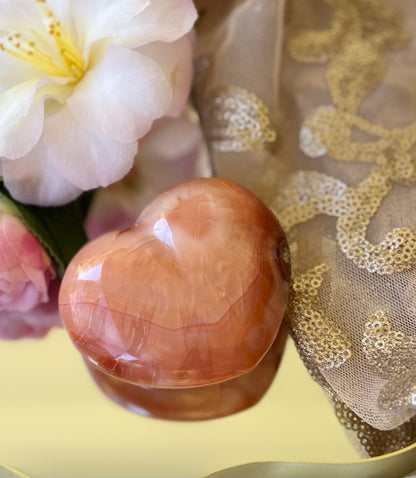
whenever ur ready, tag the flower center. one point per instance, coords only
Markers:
(55, 53)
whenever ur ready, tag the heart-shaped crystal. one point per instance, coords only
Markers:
(193, 294)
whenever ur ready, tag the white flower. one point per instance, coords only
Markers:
(80, 82)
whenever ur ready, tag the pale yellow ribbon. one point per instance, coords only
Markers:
(399, 464)
(394, 465)
(7, 472)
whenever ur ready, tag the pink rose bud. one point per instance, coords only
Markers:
(28, 283)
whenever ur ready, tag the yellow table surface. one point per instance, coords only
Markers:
(54, 422)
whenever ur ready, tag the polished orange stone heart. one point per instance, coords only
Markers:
(192, 295)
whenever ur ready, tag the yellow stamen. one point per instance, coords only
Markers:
(34, 50)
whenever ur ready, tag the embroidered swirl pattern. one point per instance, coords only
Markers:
(354, 47)
(393, 355)
(236, 120)
(322, 341)
(354, 44)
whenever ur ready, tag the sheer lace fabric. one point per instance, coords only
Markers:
(312, 106)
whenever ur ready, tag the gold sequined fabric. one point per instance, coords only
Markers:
(237, 120)
(393, 355)
(322, 341)
(335, 78)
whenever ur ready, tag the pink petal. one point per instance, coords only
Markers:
(35, 323)
(24, 244)
(22, 300)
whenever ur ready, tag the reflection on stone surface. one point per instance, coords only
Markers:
(193, 294)
(196, 403)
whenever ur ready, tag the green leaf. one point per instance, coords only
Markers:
(59, 229)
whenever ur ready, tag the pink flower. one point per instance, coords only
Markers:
(172, 152)
(28, 284)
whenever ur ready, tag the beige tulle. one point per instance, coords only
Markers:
(311, 104)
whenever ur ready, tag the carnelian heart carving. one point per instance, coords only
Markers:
(193, 294)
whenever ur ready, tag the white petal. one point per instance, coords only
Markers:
(63, 11)
(21, 122)
(96, 19)
(23, 17)
(33, 180)
(176, 60)
(53, 91)
(121, 97)
(28, 16)
(161, 21)
(14, 71)
(18, 15)
(85, 159)
(29, 19)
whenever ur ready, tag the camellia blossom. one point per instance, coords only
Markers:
(80, 82)
(28, 283)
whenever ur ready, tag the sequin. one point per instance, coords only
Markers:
(354, 46)
(321, 340)
(393, 355)
(364, 164)
(237, 120)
